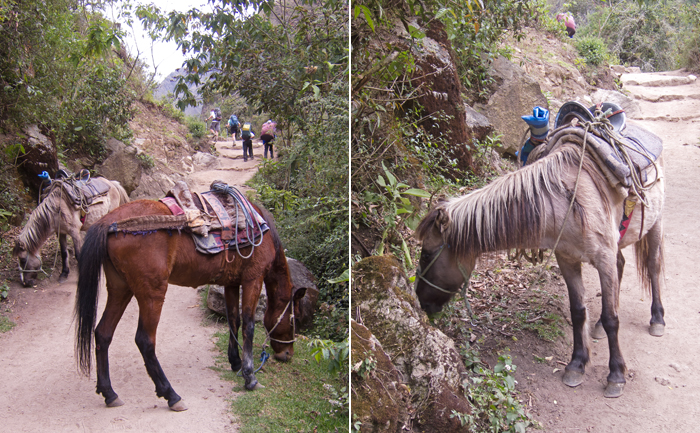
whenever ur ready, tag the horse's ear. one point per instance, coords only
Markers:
(442, 219)
(299, 293)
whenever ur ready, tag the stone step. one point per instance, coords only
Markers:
(656, 80)
(665, 94)
(673, 111)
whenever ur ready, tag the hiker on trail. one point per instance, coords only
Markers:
(268, 133)
(247, 135)
(234, 128)
(215, 117)
(568, 22)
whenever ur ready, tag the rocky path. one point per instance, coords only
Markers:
(663, 382)
(41, 391)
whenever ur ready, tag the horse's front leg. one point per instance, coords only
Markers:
(575, 370)
(231, 296)
(63, 243)
(610, 287)
(251, 293)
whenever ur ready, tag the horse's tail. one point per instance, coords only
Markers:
(92, 255)
(643, 249)
(123, 196)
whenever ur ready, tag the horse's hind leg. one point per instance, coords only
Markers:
(650, 256)
(609, 284)
(150, 307)
(231, 296)
(117, 300)
(63, 243)
(598, 331)
(574, 371)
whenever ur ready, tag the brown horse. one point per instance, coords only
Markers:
(57, 214)
(142, 265)
(527, 209)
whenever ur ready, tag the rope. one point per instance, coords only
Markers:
(244, 206)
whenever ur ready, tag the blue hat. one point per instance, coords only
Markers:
(539, 118)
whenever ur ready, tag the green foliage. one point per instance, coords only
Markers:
(4, 290)
(336, 354)
(197, 128)
(495, 408)
(6, 324)
(146, 160)
(593, 50)
(301, 395)
(306, 189)
(58, 69)
(649, 35)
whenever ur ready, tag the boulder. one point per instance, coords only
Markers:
(428, 361)
(206, 161)
(217, 303)
(40, 155)
(154, 185)
(121, 165)
(303, 278)
(477, 123)
(516, 94)
(381, 402)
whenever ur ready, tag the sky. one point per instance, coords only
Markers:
(166, 56)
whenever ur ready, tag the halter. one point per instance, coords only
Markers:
(27, 271)
(421, 275)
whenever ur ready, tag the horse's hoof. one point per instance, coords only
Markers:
(656, 329)
(116, 403)
(598, 332)
(572, 378)
(62, 279)
(257, 385)
(179, 406)
(613, 390)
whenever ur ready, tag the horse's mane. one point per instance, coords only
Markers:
(512, 210)
(40, 224)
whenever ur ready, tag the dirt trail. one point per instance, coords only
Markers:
(663, 384)
(41, 391)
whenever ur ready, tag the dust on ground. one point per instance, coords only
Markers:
(41, 390)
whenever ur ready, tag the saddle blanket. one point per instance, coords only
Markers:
(212, 243)
(83, 193)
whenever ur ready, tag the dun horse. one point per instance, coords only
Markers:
(526, 209)
(142, 265)
(57, 214)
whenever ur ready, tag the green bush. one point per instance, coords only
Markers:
(593, 50)
(197, 128)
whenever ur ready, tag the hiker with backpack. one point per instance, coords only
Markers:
(247, 135)
(234, 127)
(215, 117)
(268, 133)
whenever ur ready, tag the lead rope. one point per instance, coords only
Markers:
(264, 356)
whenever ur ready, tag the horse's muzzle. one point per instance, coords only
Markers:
(285, 355)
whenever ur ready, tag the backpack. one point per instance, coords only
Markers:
(233, 120)
(245, 131)
(217, 114)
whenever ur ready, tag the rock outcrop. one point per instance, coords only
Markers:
(40, 154)
(428, 361)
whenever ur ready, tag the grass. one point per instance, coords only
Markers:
(6, 324)
(301, 396)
